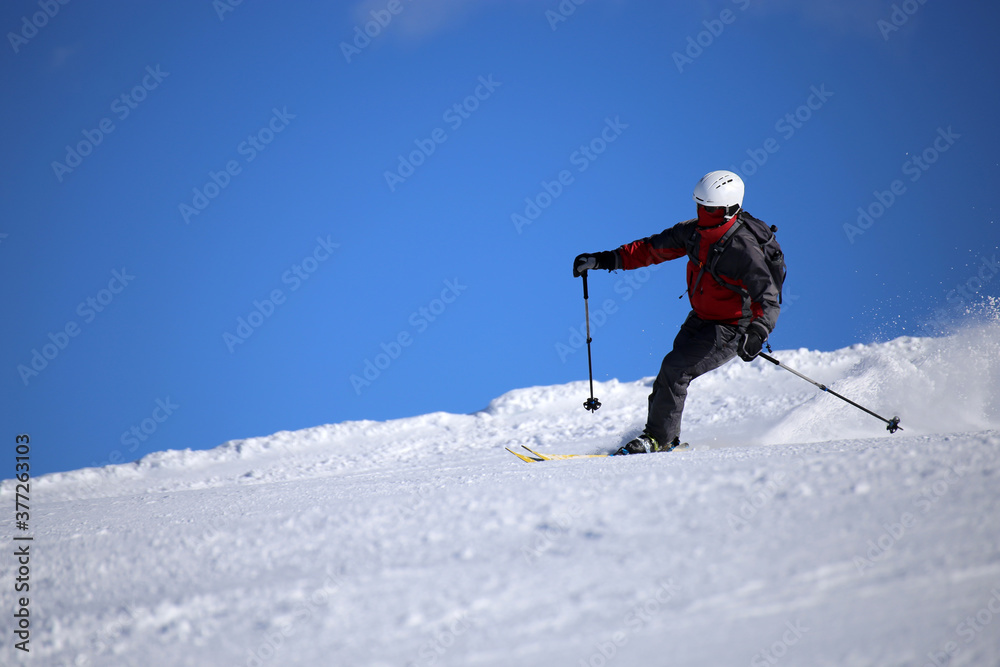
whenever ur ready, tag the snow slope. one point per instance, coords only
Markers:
(795, 532)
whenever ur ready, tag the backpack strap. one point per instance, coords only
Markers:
(729, 233)
(714, 253)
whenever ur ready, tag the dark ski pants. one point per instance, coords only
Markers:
(700, 346)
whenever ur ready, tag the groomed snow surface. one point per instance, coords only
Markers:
(796, 531)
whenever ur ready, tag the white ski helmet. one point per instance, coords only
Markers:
(719, 188)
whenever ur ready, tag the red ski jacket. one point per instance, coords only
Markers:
(742, 265)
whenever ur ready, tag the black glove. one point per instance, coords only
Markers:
(751, 341)
(606, 260)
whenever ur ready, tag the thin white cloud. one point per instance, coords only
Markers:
(854, 16)
(422, 18)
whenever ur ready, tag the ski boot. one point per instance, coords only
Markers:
(646, 444)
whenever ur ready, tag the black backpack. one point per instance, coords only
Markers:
(773, 254)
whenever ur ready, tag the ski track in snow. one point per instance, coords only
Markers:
(796, 531)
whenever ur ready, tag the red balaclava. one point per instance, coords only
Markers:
(713, 219)
(711, 226)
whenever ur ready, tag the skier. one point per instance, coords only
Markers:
(734, 298)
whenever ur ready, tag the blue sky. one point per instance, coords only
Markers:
(222, 221)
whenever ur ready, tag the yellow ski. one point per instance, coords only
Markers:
(561, 457)
(524, 458)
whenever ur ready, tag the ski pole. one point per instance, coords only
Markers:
(591, 403)
(893, 424)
